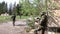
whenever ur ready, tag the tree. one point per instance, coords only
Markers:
(14, 9)
(10, 9)
(3, 7)
(28, 8)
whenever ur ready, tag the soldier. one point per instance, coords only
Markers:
(43, 23)
(14, 18)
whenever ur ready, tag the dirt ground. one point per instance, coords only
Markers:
(8, 28)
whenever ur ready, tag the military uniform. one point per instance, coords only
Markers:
(14, 18)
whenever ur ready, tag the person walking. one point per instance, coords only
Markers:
(14, 19)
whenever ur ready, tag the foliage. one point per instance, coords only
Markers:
(44, 7)
(4, 19)
(10, 9)
(3, 7)
(28, 9)
(31, 22)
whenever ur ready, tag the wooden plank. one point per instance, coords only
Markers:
(54, 29)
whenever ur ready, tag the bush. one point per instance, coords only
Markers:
(30, 23)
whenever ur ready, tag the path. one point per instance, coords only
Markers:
(8, 28)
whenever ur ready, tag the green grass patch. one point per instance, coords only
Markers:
(22, 17)
(4, 19)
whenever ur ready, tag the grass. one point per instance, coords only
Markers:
(4, 19)
(22, 17)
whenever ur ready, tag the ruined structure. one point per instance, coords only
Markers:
(54, 22)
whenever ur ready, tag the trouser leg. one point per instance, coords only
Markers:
(43, 30)
(13, 23)
(35, 32)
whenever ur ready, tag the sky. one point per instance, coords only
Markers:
(10, 1)
(13, 1)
